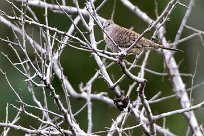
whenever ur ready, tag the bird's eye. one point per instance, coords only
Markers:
(106, 24)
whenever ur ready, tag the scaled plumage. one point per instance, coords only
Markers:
(124, 38)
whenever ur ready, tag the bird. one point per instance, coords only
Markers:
(119, 38)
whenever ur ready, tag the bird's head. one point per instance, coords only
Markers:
(108, 25)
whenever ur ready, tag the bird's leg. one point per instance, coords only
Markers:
(122, 54)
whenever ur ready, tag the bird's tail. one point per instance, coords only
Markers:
(166, 48)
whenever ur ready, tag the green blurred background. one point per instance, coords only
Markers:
(80, 66)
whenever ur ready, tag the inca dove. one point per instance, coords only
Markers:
(124, 38)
